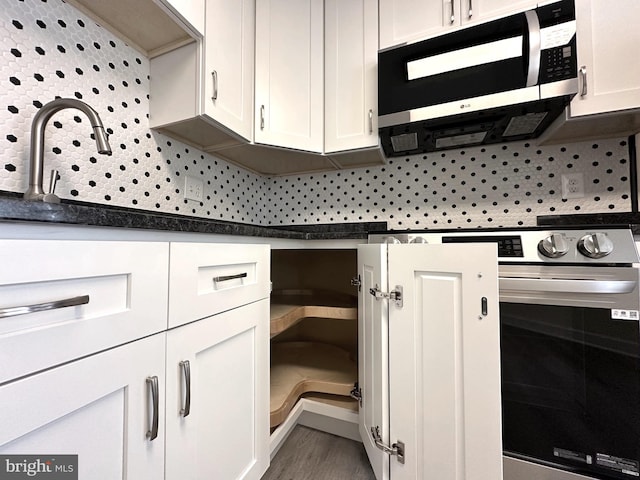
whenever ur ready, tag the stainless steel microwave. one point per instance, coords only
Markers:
(494, 82)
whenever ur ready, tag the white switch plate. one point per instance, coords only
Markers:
(193, 189)
(572, 185)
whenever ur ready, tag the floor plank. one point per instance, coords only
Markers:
(309, 454)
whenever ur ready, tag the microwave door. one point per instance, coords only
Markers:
(484, 66)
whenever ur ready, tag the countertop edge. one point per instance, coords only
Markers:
(18, 210)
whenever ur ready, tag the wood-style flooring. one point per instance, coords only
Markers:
(309, 454)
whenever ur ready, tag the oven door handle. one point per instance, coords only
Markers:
(554, 285)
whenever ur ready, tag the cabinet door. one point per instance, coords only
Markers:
(404, 21)
(373, 359)
(229, 64)
(444, 362)
(608, 49)
(99, 408)
(289, 74)
(222, 430)
(351, 56)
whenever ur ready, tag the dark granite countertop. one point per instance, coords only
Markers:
(15, 209)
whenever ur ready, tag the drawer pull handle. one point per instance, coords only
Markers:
(224, 278)
(41, 307)
(186, 371)
(152, 383)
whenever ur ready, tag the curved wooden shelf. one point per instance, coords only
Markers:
(288, 307)
(301, 367)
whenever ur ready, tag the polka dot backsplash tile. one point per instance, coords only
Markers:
(50, 49)
(498, 186)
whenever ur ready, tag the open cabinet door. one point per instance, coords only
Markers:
(444, 362)
(373, 346)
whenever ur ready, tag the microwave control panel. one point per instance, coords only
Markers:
(557, 41)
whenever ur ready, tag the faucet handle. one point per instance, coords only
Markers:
(51, 197)
(53, 180)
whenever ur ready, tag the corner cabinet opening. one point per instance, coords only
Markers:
(314, 330)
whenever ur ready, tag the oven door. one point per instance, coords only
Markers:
(570, 372)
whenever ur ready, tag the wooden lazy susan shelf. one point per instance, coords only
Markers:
(288, 307)
(301, 367)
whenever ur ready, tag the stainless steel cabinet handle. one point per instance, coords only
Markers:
(261, 117)
(152, 383)
(370, 121)
(470, 8)
(583, 81)
(214, 76)
(41, 307)
(186, 371)
(224, 278)
(453, 13)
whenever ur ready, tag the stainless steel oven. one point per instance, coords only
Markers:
(570, 350)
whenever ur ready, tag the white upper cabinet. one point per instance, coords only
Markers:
(229, 62)
(608, 53)
(351, 50)
(403, 21)
(150, 26)
(202, 92)
(289, 101)
(190, 11)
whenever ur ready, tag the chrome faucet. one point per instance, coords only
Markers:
(35, 191)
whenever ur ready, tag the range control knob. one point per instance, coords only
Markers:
(554, 246)
(595, 245)
(418, 240)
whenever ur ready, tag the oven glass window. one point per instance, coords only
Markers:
(571, 389)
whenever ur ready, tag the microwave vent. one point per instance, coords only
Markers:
(404, 142)
(524, 124)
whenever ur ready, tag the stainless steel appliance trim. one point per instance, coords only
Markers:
(512, 97)
(581, 286)
(534, 47)
(559, 88)
(568, 286)
(516, 469)
(468, 57)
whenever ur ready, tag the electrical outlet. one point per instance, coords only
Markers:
(193, 189)
(572, 185)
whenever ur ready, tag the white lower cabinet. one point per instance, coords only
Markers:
(218, 396)
(99, 387)
(100, 408)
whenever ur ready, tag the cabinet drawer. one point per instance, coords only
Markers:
(92, 296)
(210, 278)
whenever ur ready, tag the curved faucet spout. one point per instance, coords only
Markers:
(36, 155)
